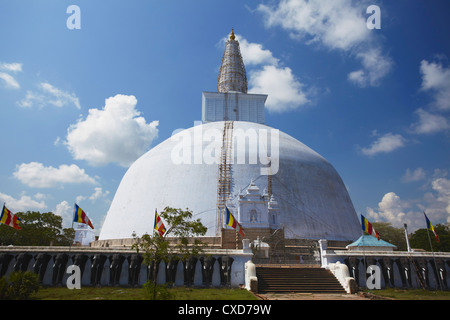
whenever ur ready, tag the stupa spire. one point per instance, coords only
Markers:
(232, 75)
(232, 37)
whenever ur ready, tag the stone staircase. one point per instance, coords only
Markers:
(298, 279)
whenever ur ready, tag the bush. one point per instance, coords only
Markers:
(19, 286)
(3, 288)
(157, 292)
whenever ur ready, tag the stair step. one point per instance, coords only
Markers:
(297, 279)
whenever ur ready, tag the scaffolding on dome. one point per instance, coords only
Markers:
(224, 178)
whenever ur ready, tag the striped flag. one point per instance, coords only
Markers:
(232, 222)
(9, 218)
(159, 225)
(430, 227)
(81, 217)
(367, 227)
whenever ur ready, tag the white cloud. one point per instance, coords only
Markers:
(375, 67)
(11, 67)
(416, 175)
(336, 25)
(283, 89)
(391, 208)
(25, 203)
(59, 97)
(115, 134)
(266, 76)
(65, 211)
(435, 202)
(436, 79)
(254, 54)
(98, 193)
(442, 187)
(80, 198)
(49, 94)
(9, 80)
(385, 144)
(429, 123)
(35, 174)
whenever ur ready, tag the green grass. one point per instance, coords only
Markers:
(412, 294)
(123, 293)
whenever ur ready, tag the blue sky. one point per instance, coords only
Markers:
(78, 106)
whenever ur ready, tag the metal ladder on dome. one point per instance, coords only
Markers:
(224, 176)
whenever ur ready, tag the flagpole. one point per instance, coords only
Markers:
(74, 234)
(406, 236)
(364, 252)
(432, 252)
(154, 223)
(364, 257)
(226, 247)
(3, 210)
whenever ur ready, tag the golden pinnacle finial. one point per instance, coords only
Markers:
(232, 34)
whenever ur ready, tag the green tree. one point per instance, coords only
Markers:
(22, 284)
(38, 229)
(393, 235)
(179, 240)
(419, 239)
(19, 285)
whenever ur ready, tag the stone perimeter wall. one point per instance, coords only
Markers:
(399, 269)
(123, 267)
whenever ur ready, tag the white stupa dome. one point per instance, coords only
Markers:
(312, 200)
(224, 162)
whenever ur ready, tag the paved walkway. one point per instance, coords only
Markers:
(310, 296)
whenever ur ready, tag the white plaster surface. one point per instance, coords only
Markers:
(312, 199)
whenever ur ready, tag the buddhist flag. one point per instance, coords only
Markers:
(9, 218)
(232, 222)
(159, 225)
(81, 217)
(431, 228)
(367, 227)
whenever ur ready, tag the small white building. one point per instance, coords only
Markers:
(84, 235)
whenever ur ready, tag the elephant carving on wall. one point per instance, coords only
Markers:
(5, 260)
(353, 267)
(404, 268)
(152, 270)
(207, 269)
(22, 261)
(189, 270)
(225, 263)
(98, 261)
(134, 269)
(171, 270)
(115, 268)
(422, 271)
(80, 261)
(440, 274)
(387, 269)
(59, 267)
(40, 265)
